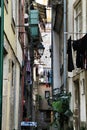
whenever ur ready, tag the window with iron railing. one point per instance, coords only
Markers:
(77, 27)
(78, 20)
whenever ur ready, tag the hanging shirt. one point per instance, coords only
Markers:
(70, 59)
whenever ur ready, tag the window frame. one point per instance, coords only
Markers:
(47, 94)
(78, 19)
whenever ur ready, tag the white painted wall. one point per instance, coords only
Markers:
(18, 46)
(56, 62)
(46, 59)
(5, 101)
(17, 97)
(71, 86)
(70, 29)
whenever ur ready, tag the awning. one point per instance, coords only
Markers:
(42, 10)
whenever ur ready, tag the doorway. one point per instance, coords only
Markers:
(77, 105)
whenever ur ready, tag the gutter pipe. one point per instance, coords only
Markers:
(52, 49)
(65, 75)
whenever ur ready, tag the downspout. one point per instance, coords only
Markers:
(65, 66)
(52, 84)
(1, 56)
(52, 49)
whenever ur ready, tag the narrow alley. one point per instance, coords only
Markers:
(43, 65)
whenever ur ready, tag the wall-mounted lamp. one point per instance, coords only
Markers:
(26, 24)
(26, 16)
(40, 48)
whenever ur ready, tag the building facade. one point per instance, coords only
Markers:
(75, 34)
(76, 29)
(12, 64)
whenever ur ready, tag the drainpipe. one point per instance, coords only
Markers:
(1, 55)
(65, 66)
(52, 49)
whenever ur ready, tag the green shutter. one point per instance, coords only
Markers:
(34, 31)
(33, 17)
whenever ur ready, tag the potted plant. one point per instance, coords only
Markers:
(61, 110)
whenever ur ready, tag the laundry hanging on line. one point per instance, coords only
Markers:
(80, 46)
(70, 59)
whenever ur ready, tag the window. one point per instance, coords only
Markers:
(77, 27)
(78, 20)
(83, 86)
(47, 94)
